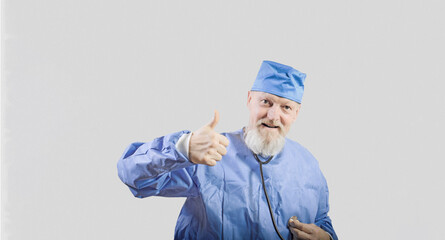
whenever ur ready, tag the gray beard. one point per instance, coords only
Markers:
(261, 145)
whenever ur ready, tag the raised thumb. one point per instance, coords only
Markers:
(215, 120)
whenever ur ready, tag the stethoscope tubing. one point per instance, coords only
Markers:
(265, 192)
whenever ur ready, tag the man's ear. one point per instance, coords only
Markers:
(298, 111)
(249, 97)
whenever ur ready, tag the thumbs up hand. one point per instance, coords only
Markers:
(206, 145)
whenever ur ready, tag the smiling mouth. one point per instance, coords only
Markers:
(268, 125)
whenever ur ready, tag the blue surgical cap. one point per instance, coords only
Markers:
(280, 80)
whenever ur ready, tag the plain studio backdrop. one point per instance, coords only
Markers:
(81, 80)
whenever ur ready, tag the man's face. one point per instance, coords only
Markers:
(270, 114)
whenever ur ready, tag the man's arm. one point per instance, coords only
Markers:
(323, 220)
(162, 167)
(322, 228)
(157, 168)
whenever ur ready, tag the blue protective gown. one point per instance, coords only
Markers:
(227, 201)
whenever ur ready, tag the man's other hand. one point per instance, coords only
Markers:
(206, 145)
(303, 231)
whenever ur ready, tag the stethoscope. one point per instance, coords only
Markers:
(265, 192)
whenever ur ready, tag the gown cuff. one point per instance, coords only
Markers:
(182, 145)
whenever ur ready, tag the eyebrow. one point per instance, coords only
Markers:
(275, 99)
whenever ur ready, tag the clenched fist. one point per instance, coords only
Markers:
(206, 145)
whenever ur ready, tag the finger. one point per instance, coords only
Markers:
(307, 228)
(297, 224)
(215, 155)
(290, 223)
(294, 232)
(301, 226)
(223, 140)
(291, 219)
(214, 121)
(221, 149)
(210, 162)
(300, 234)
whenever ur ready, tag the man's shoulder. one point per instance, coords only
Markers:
(295, 145)
(296, 148)
(234, 134)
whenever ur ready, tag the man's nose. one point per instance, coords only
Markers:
(273, 114)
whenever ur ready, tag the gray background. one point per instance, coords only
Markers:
(83, 79)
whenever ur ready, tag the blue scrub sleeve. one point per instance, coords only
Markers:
(157, 168)
(323, 220)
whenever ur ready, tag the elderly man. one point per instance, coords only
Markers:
(249, 184)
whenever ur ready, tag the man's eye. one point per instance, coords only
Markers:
(287, 108)
(265, 101)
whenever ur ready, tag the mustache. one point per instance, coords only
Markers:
(270, 123)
